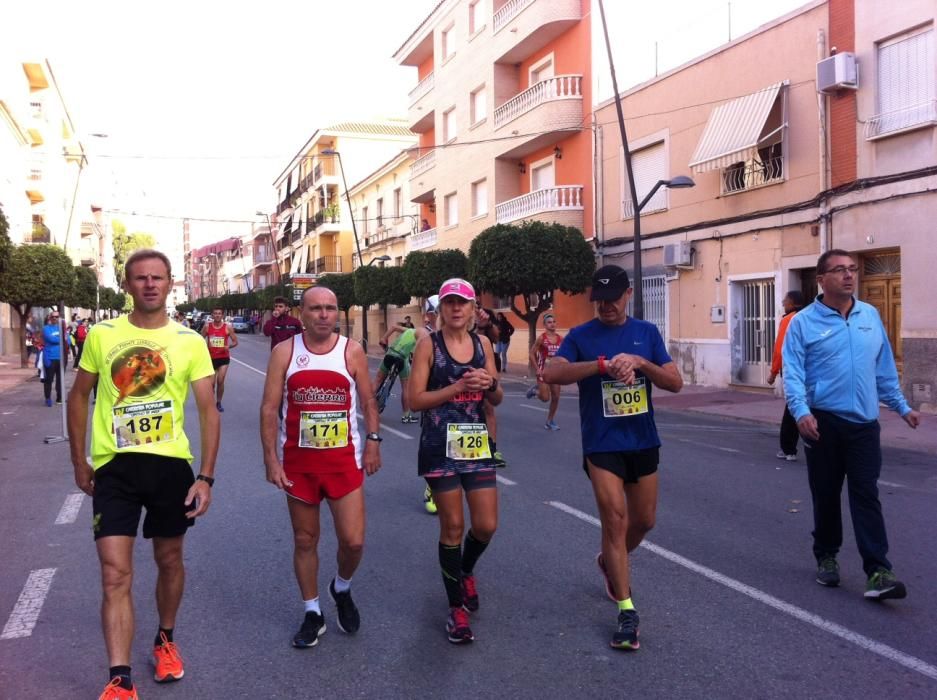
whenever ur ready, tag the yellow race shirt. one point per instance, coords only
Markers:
(143, 383)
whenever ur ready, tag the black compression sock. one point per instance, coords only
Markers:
(122, 672)
(450, 560)
(473, 550)
(159, 639)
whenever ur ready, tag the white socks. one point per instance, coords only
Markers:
(341, 584)
(312, 606)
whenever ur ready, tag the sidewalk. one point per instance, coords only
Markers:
(10, 373)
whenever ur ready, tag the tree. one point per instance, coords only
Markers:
(37, 275)
(380, 285)
(425, 271)
(531, 261)
(84, 293)
(343, 284)
(6, 246)
(124, 245)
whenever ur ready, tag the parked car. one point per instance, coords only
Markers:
(240, 325)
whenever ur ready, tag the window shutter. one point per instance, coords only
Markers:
(649, 165)
(906, 81)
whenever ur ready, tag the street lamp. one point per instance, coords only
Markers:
(354, 230)
(379, 258)
(677, 183)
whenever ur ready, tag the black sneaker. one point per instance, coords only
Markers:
(883, 585)
(469, 594)
(348, 618)
(313, 627)
(627, 635)
(828, 572)
(457, 627)
(498, 459)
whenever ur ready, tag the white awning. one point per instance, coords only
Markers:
(734, 130)
(300, 258)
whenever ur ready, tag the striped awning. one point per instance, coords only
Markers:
(735, 130)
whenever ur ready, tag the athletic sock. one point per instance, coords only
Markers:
(122, 672)
(450, 560)
(473, 550)
(625, 604)
(159, 639)
(312, 605)
(342, 584)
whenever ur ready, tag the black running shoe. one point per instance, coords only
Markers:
(469, 594)
(457, 627)
(348, 618)
(883, 585)
(627, 635)
(828, 572)
(313, 627)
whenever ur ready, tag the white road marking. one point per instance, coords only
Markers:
(252, 369)
(533, 408)
(392, 431)
(891, 484)
(706, 444)
(910, 662)
(505, 481)
(69, 512)
(26, 611)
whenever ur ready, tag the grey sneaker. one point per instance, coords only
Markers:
(882, 585)
(828, 572)
(626, 637)
(531, 392)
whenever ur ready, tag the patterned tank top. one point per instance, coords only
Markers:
(548, 349)
(436, 456)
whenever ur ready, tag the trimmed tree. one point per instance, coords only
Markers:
(531, 261)
(37, 275)
(6, 246)
(343, 284)
(382, 286)
(425, 271)
(124, 244)
(84, 294)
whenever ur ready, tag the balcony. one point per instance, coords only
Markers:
(522, 27)
(263, 259)
(387, 232)
(40, 234)
(752, 174)
(325, 168)
(422, 164)
(326, 222)
(328, 263)
(915, 116)
(421, 240)
(556, 102)
(422, 112)
(561, 204)
(261, 231)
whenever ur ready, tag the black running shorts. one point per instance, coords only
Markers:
(627, 466)
(467, 481)
(136, 480)
(217, 362)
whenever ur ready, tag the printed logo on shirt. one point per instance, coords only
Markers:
(826, 332)
(139, 369)
(302, 360)
(467, 397)
(314, 394)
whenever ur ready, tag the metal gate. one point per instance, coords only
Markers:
(654, 288)
(757, 331)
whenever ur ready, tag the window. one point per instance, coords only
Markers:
(906, 94)
(448, 125)
(542, 177)
(542, 70)
(451, 209)
(476, 22)
(365, 223)
(397, 205)
(448, 41)
(648, 165)
(398, 261)
(654, 290)
(480, 198)
(478, 103)
(380, 212)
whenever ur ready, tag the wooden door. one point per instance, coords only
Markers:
(883, 291)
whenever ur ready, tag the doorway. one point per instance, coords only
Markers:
(880, 286)
(754, 331)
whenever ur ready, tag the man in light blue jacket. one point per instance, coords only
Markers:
(838, 366)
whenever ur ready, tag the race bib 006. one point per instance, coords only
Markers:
(620, 400)
(323, 430)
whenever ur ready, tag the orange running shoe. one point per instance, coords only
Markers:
(113, 691)
(168, 661)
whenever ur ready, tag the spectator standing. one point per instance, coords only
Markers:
(281, 326)
(52, 357)
(504, 341)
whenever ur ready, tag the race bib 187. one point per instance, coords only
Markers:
(143, 424)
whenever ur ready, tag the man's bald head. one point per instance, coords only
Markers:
(319, 295)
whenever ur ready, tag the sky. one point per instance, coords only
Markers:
(191, 109)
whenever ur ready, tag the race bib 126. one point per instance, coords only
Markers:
(466, 441)
(620, 400)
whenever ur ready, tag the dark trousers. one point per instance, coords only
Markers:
(80, 346)
(52, 375)
(789, 432)
(851, 452)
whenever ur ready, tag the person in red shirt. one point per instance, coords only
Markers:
(792, 303)
(220, 337)
(543, 351)
(282, 326)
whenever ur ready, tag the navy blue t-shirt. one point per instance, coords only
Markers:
(625, 433)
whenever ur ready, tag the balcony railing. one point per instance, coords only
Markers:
(559, 87)
(566, 197)
(508, 11)
(422, 87)
(422, 164)
(328, 263)
(324, 168)
(752, 174)
(904, 119)
(263, 258)
(423, 239)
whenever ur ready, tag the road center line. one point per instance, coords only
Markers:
(505, 481)
(393, 431)
(252, 369)
(910, 662)
(891, 484)
(69, 512)
(706, 444)
(533, 408)
(26, 611)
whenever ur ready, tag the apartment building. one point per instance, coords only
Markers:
(219, 268)
(387, 221)
(502, 108)
(312, 231)
(263, 259)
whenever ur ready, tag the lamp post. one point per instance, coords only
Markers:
(354, 230)
(379, 258)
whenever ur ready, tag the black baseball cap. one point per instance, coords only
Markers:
(609, 282)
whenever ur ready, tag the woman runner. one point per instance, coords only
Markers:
(453, 373)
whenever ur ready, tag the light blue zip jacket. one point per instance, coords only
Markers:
(841, 365)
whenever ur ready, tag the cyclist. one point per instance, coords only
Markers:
(398, 356)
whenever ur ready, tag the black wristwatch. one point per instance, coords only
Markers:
(210, 480)
(376, 437)
(494, 385)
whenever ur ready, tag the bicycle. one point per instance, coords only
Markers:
(383, 390)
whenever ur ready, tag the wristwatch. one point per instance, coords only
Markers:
(210, 480)
(374, 436)
(494, 385)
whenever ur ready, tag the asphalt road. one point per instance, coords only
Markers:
(724, 585)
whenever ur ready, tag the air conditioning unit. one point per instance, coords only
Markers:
(838, 72)
(678, 254)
